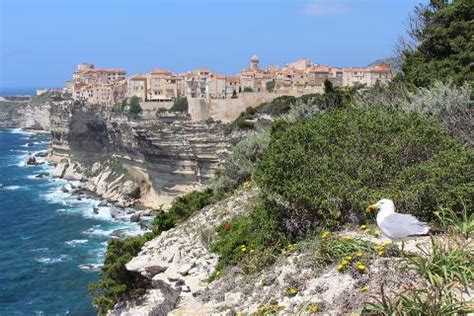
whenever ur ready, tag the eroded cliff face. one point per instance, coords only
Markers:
(29, 112)
(164, 154)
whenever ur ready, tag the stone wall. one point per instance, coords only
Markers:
(226, 110)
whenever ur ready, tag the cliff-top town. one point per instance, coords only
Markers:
(108, 86)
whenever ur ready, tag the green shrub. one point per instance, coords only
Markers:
(180, 105)
(336, 163)
(183, 207)
(253, 239)
(135, 107)
(116, 282)
(120, 106)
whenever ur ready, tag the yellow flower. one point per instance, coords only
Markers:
(326, 235)
(344, 262)
(251, 250)
(360, 266)
(313, 308)
(363, 227)
(368, 230)
(348, 238)
(348, 258)
(380, 253)
(292, 291)
(243, 248)
(218, 273)
(290, 246)
(364, 289)
(359, 254)
(340, 267)
(375, 232)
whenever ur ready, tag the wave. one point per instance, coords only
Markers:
(75, 242)
(90, 266)
(96, 230)
(18, 131)
(11, 187)
(48, 260)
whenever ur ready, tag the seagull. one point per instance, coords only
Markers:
(394, 225)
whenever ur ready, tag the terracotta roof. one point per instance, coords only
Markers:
(161, 72)
(232, 79)
(217, 76)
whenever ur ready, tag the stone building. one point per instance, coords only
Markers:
(102, 86)
(137, 86)
(163, 85)
(368, 76)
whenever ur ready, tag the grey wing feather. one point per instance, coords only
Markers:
(403, 225)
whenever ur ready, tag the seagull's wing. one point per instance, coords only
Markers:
(399, 226)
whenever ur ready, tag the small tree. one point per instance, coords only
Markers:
(135, 107)
(270, 85)
(248, 89)
(180, 105)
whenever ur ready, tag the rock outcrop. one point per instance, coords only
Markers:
(167, 153)
(29, 112)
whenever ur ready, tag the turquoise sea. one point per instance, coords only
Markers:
(51, 244)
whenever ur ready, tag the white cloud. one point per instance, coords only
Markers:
(325, 7)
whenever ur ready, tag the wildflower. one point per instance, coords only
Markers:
(348, 258)
(375, 232)
(251, 250)
(380, 253)
(292, 291)
(359, 254)
(228, 226)
(340, 267)
(326, 235)
(313, 308)
(348, 238)
(364, 289)
(367, 231)
(218, 273)
(243, 248)
(363, 227)
(290, 246)
(360, 266)
(345, 262)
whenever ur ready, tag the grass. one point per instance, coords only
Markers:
(462, 224)
(447, 270)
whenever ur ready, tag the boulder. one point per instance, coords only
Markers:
(31, 160)
(95, 210)
(103, 203)
(64, 189)
(135, 218)
(60, 168)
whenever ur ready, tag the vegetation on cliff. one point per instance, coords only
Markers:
(116, 283)
(326, 156)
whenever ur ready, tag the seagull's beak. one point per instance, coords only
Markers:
(371, 208)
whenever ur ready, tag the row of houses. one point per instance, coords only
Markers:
(108, 86)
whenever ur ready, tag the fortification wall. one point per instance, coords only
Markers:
(226, 110)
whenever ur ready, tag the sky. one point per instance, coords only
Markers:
(42, 41)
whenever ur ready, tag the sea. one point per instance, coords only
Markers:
(51, 243)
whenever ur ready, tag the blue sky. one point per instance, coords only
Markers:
(41, 41)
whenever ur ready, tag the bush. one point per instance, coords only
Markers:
(116, 282)
(253, 239)
(120, 106)
(183, 207)
(333, 165)
(180, 105)
(135, 107)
